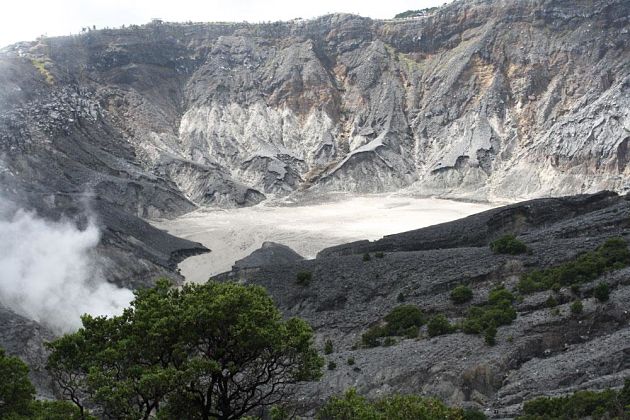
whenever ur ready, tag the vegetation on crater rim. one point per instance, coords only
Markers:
(606, 404)
(612, 255)
(508, 244)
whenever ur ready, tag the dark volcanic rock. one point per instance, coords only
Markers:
(540, 353)
(24, 338)
(270, 253)
(480, 229)
(479, 99)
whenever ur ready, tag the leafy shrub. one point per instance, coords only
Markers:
(602, 292)
(508, 244)
(366, 256)
(403, 317)
(350, 361)
(500, 294)
(352, 406)
(581, 404)
(304, 278)
(379, 254)
(403, 320)
(411, 332)
(17, 396)
(461, 294)
(551, 302)
(439, 325)
(577, 307)
(16, 390)
(612, 255)
(389, 341)
(332, 365)
(328, 347)
(498, 311)
(400, 297)
(371, 338)
(471, 325)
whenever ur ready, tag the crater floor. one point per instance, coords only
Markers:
(306, 228)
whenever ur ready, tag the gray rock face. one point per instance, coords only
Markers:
(270, 253)
(541, 353)
(25, 339)
(62, 158)
(480, 100)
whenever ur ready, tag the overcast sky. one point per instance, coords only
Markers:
(24, 20)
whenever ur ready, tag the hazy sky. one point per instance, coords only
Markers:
(24, 20)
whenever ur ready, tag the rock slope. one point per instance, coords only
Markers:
(542, 352)
(480, 99)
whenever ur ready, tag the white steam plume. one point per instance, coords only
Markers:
(48, 274)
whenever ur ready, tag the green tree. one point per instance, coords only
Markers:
(55, 410)
(217, 350)
(496, 312)
(16, 390)
(17, 396)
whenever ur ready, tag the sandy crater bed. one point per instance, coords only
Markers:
(235, 233)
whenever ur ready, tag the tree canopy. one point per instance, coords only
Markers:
(16, 391)
(17, 395)
(216, 350)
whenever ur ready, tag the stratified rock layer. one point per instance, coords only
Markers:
(479, 99)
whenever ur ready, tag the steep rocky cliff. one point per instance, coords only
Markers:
(481, 99)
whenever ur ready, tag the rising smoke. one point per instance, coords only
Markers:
(48, 273)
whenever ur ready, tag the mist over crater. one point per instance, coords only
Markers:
(49, 272)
